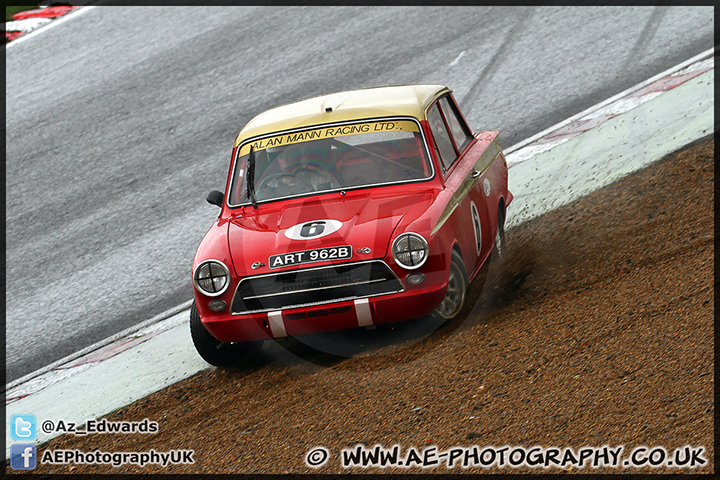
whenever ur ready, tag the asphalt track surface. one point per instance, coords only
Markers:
(121, 120)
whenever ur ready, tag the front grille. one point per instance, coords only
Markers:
(314, 286)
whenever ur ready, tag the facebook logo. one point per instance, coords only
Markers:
(23, 456)
(23, 427)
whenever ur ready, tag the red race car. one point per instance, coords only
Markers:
(345, 211)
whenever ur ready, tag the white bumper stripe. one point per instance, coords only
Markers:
(362, 310)
(276, 324)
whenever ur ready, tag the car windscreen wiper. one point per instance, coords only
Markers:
(251, 177)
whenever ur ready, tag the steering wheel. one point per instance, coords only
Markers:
(303, 180)
(270, 184)
(317, 176)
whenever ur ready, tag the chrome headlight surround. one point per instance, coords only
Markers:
(211, 278)
(410, 250)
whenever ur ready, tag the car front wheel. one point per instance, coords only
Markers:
(212, 350)
(455, 295)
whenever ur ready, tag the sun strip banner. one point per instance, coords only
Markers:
(330, 132)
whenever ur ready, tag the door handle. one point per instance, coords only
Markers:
(475, 173)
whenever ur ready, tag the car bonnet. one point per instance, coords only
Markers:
(361, 220)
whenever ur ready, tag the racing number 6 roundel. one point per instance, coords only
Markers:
(314, 229)
(476, 227)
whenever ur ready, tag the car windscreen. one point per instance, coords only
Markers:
(332, 158)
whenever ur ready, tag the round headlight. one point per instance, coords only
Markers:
(212, 278)
(410, 250)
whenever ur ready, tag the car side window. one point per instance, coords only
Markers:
(444, 144)
(458, 128)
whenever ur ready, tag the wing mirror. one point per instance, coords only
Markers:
(215, 198)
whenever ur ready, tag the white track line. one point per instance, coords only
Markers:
(610, 100)
(457, 59)
(125, 333)
(50, 25)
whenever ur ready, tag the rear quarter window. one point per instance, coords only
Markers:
(442, 137)
(460, 133)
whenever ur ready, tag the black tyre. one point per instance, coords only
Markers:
(212, 350)
(454, 300)
(499, 248)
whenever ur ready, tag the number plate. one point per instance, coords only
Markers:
(310, 256)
